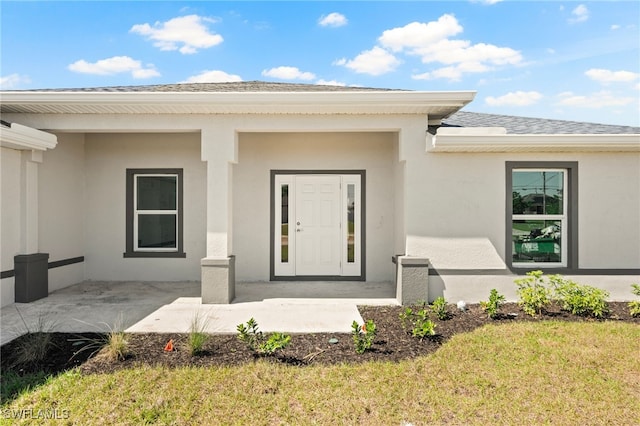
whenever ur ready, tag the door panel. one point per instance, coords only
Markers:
(317, 226)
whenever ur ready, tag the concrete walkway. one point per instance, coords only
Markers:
(169, 307)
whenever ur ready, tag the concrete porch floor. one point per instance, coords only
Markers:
(169, 307)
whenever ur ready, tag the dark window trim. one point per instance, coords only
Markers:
(129, 251)
(572, 214)
(363, 233)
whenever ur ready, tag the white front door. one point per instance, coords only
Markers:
(317, 225)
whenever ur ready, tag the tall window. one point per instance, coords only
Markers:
(539, 216)
(154, 213)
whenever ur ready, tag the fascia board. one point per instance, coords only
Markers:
(25, 138)
(535, 143)
(239, 102)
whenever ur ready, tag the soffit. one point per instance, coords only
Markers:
(437, 105)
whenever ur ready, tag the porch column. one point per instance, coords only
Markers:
(31, 268)
(412, 271)
(218, 267)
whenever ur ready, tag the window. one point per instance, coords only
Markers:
(541, 207)
(154, 213)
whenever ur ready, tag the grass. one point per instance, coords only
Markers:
(197, 334)
(518, 373)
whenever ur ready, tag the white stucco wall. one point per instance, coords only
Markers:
(10, 220)
(61, 203)
(107, 158)
(259, 153)
(456, 218)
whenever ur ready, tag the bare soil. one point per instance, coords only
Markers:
(392, 343)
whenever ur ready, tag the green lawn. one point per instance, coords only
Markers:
(521, 373)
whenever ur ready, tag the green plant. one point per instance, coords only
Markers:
(439, 308)
(258, 342)
(363, 335)
(534, 295)
(492, 306)
(634, 306)
(579, 299)
(197, 335)
(419, 323)
(33, 347)
(114, 344)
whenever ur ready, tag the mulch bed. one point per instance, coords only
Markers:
(392, 343)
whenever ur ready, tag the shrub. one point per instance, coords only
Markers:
(33, 347)
(534, 295)
(258, 342)
(419, 323)
(363, 335)
(197, 335)
(114, 344)
(634, 306)
(492, 307)
(439, 308)
(579, 299)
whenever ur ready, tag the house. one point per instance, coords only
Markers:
(232, 182)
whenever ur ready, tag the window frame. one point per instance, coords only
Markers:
(132, 249)
(569, 217)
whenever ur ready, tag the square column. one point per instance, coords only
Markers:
(218, 268)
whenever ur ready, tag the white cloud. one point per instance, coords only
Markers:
(487, 2)
(115, 65)
(433, 42)
(330, 83)
(615, 27)
(333, 20)
(595, 100)
(13, 81)
(608, 76)
(580, 14)
(288, 73)
(376, 61)
(518, 98)
(213, 76)
(189, 32)
(420, 34)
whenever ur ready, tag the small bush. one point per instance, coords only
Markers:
(492, 307)
(439, 308)
(418, 323)
(114, 345)
(33, 347)
(258, 342)
(363, 335)
(534, 295)
(197, 335)
(579, 299)
(634, 306)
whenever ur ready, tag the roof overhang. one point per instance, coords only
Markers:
(17, 136)
(497, 140)
(437, 105)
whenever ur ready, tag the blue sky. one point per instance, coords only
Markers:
(559, 59)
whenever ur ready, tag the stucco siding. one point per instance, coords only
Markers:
(107, 158)
(10, 221)
(259, 153)
(456, 216)
(61, 204)
(609, 212)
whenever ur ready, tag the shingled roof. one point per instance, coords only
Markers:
(513, 124)
(241, 86)
(533, 126)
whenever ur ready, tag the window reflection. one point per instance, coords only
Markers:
(284, 223)
(351, 223)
